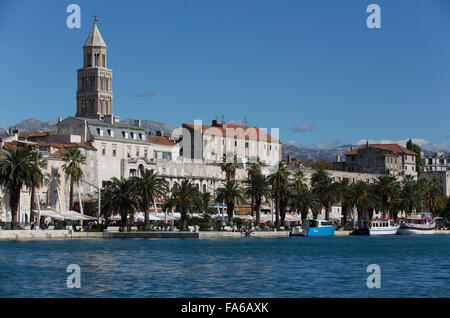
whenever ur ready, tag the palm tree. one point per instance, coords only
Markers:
(229, 167)
(279, 180)
(107, 206)
(298, 181)
(344, 197)
(17, 169)
(182, 198)
(411, 196)
(41, 163)
(326, 190)
(230, 193)
(386, 188)
(434, 199)
(123, 197)
(149, 187)
(258, 188)
(303, 199)
(253, 169)
(362, 196)
(73, 159)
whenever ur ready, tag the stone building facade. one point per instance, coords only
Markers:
(390, 159)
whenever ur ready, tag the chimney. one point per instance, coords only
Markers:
(288, 159)
(137, 123)
(59, 119)
(160, 133)
(109, 119)
(338, 158)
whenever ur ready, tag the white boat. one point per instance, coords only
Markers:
(383, 227)
(418, 223)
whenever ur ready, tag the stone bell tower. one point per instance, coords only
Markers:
(94, 93)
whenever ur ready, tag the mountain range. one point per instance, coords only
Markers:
(322, 151)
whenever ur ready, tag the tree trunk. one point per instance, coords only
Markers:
(304, 215)
(147, 217)
(14, 198)
(258, 213)
(230, 210)
(32, 204)
(277, 207)
(344, 215)
(183, 221)
(251, 207)
(327, 212)
(124, 217)
(71, 195)
(282, 215)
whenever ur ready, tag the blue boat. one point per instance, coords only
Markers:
(313, 228)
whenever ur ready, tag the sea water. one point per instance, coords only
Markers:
(410, 266)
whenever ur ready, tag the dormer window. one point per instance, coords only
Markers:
(100, 131)
(111, 132)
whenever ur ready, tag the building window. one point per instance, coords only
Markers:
(235, 143)
(114, 150)
(246, 145)
(103, 149)
(100, 131)
(146, 153)
(137, 152)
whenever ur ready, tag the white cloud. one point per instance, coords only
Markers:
(401, 142)
(304, 127)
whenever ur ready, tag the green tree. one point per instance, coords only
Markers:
(279, 180)
(387, 188)
(230, 193)
(434, 198)
(362, 196)
(41, 163)
(123, 198)
(303, 199)
(18, 168)
(149, 187)
(74, 160)
(182, 198)
(253, 169)
(257, 189)
(344, 188)
(229, 166)
(326, 190)
(416, 148)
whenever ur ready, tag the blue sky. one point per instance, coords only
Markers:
(311, 68)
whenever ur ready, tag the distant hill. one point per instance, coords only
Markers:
(306, 154)
(152, 126)
(35, 125)
(38, 125)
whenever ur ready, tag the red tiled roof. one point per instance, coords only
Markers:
(32, 134)
(10, 146)
(63, 147)
(252, 133)
(160, 140)
(393, 148)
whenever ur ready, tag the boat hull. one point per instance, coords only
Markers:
(384, 231)
(409, 230)
(321, 231)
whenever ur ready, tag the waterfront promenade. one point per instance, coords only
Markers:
(66, 234)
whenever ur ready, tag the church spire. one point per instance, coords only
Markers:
(94, 94)
(95, 39)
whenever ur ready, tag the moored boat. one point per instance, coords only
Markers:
(313, 227)
(382, 227)
(418, 223)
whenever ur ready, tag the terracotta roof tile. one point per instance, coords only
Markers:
(394, 148)
(160, 140)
